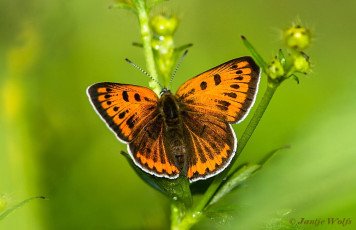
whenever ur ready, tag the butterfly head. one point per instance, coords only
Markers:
(164, 90)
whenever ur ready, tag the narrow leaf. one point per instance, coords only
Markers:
(176, 189)
(183, 47)
(124, 6)
(294, 77)
(281, 57)
(242, 174)
(137, 44)
(144, 176)
(255, 55)
(12, 209)
(271, 154)
(234, 180)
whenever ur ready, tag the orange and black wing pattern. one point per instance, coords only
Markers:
(226, 92)
(212, 145)
(126, 109)
(149, 151)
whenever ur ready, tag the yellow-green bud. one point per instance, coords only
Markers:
(275, 69)
(164, 25)
(301, 63)
(297, 37)
(2, 204)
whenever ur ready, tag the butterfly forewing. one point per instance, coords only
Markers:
(126, 109)
(226, 91)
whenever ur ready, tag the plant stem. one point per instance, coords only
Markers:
(146, 40)
(271, 88)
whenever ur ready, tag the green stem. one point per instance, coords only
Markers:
(175, 217)
(271, 88)
(146, 39)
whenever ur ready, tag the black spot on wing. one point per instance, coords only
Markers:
(222, 108)
(189, 101)
(131, 121)
(137, 97)
(125, 96)
(224, 103)
(192, 91)
(240, 78)
(122, 115)
(232, 95)
(235, 86)
(217, 79)
(203, 85)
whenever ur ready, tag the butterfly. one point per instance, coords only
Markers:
(188, 133)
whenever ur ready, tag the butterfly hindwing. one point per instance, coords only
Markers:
(149, 151)
(212, 145)
(126, 109)
(226, 91)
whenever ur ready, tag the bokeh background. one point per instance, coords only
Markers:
(52, 143)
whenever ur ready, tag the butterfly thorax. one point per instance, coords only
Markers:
(170, 111)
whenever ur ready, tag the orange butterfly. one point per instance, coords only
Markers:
(188, 133)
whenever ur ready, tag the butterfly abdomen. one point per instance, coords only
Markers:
(173, 129)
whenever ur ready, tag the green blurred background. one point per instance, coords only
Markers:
(52, 143)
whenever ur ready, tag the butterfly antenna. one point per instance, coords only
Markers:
(144, 72)
(175, 71)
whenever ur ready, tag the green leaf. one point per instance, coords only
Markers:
(144, 176)
(281, 57)
(137, 44)
(241, 174)
(10, 210)
(255, 55)
(183, 47)
(294, 77)
(176, 189)
(236, 179)
(271, 154)
(124, 6)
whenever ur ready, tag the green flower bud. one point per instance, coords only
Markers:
(164, 25)
(302, 63)
(297, 37)
(2, 204)
(275, 69)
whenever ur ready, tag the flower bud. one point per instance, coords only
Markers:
(163, 25)
(297, 37)
(275, 69)
(302, 63)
